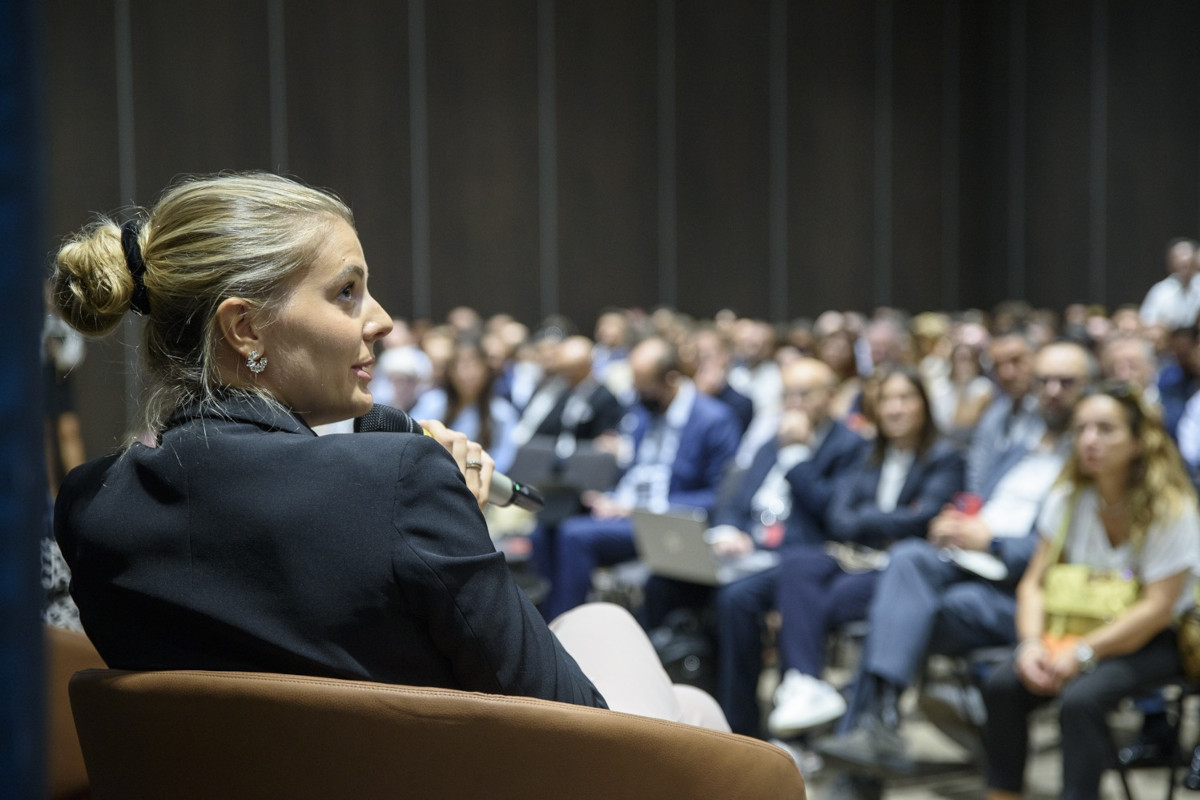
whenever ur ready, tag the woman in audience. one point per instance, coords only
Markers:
(960, 397)
(468, 405)
(836, 349)
(1122, 505)
(905, 480)
(243, 541)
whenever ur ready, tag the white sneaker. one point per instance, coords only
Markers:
(804, 702)
(795, 684)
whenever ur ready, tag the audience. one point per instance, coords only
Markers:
(930, 600)
(678, 443)
(1121, 504)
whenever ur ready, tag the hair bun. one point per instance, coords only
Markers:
(92, 285)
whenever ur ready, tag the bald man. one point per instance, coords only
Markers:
(572, 406)
(681, 441)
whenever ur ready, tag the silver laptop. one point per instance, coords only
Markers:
(672, 545)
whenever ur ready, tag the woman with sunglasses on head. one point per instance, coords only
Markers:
(243, 541)
(1123, 505)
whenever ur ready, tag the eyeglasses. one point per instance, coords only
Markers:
(1065, 382)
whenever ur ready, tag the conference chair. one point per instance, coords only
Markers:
(66, 653)
(194, 734)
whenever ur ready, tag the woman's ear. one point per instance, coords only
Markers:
(235, 319)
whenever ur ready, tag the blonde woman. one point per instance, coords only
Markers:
(241, 540)
(1122, 504)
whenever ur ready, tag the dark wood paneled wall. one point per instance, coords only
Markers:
(779, 157)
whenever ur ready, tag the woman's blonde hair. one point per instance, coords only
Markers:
(1159, 488)
(206, 239)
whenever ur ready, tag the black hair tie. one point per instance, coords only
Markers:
(137, 268)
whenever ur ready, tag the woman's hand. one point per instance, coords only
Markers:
(1035, 668)
(473, 461)
(1064, 665)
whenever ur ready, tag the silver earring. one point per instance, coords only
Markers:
(256, 362)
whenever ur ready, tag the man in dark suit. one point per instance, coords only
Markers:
(571, 406)
(679, 442)
(781, 502)
(778, 502)
(710, 354)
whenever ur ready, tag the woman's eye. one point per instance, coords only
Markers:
(347, 291)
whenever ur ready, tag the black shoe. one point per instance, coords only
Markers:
(872, 746)
(1191, 781)
(958, 714)
(1148, 750)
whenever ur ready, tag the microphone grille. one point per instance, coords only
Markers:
(385, 419)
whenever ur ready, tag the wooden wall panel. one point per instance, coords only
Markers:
(984, 134)
(831, 71)
(201, 94)
(606, 62)
(1154, 160)
(722, 135)
(348, 125)
(917, 141)
(82, 168)
(1058, 155)
(1018, 171)
(484, 155)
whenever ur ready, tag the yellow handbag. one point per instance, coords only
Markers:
(1076, 598)
(1188, 637)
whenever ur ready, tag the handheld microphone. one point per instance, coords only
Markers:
(504, 491)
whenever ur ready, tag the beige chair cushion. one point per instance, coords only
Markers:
(249, 735)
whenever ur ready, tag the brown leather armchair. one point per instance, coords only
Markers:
(66, 653)
(188, 734)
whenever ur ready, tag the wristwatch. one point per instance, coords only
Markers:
(1085, 656)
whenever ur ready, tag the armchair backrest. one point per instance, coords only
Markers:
(192, 734)
(67, 652)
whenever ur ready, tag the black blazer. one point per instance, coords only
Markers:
(246, 542)
(932, 480)
(604, 414)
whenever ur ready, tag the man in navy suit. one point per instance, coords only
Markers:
(792, 476)
(779, 501)
(681, 441)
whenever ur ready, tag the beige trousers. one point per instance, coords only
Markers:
(614, 651)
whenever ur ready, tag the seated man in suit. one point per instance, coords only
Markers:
(778, 502)
(1013, 415)
(709, 355)
(679, 443)
(570, 405)
(925, 603)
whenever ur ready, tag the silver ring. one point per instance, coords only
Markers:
(473, 465)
